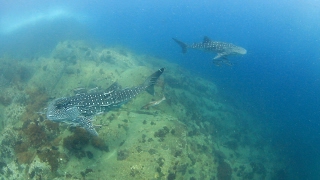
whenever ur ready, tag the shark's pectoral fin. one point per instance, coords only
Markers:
(221, 55)
(217, 56)
(228, 63)
(216, 62)
(222, 60)
(86, 123)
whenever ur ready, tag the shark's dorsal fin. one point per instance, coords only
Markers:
(80, 90)
(206, 39)
(114, 86)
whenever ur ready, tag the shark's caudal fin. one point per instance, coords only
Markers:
(151, 81)
(183, 45)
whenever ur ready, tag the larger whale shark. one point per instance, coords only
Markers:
(222, 49)
(80, 109)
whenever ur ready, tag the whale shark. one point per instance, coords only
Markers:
(79, 110)
(222, 49)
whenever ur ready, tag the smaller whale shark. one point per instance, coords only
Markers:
(222, 49)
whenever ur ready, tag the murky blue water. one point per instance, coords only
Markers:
(277, 80)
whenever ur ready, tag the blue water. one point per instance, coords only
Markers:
(279, 77)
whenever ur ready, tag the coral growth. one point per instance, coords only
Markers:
(37, 100)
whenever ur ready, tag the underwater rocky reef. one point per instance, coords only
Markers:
(192, 134)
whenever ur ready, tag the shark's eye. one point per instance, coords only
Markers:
(60, 105)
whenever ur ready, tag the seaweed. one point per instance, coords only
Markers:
(139, 149)
(122, 155)
(143, 138)
(161, 133)
(89, 154)
(224, 171)
(171, 176)
(76, 142)
(23, 74)
(51, 126)
(160, 161)
(99, 144)
(36, 135)
(25, 157)
(219, 155)
(123, 52)
(107, 59)
(2, 165)
(83, 174)
(182, 168)
(134, 172)
(6, 101)
(124, 126)
(32, 174)
(51, 156)
(122, 142)
(15, 72)
(258, 168)
(20, 147)
(177, 153)
(280, 174)
(192, 158)
(152, 151)
(233, 145)
(52, 129)
(36, 101)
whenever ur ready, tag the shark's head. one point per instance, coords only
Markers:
(239, 50)
(59, 111)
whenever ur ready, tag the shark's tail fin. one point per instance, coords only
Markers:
(183, 45)
(151, 81)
